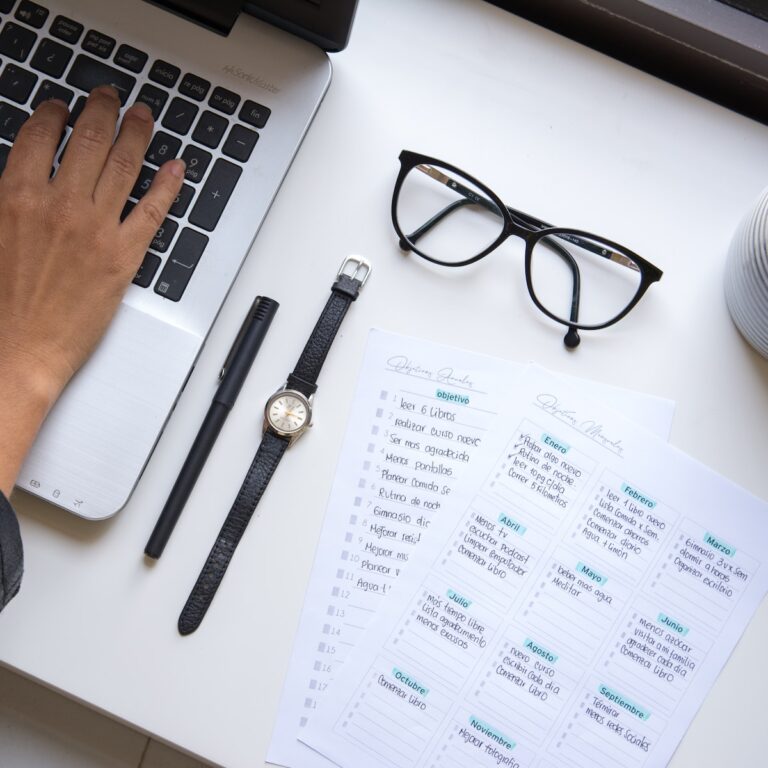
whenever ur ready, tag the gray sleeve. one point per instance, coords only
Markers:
(11, 553)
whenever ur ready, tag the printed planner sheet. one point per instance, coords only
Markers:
(421, 415)
(572, 607)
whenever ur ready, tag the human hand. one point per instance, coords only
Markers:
(66, 259)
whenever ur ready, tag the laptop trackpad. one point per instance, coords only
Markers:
(95, 442)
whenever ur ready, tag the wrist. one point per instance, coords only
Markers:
(27, 392)
(27, 380)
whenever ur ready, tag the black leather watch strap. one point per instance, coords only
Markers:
(343, 292)
(349, 280)
(263, 466)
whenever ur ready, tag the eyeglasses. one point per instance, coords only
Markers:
(576, 278)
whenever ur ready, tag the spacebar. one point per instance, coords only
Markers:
(87, 73)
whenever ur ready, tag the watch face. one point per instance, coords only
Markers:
(288, 413)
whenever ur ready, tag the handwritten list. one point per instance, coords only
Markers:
(421, 415)
(572, 606)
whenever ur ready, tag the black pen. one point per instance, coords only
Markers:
(231, 378)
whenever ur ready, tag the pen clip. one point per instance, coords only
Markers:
(239, 338)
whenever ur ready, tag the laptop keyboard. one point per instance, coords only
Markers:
(60, 58)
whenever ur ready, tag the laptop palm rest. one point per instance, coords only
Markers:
(93, 446)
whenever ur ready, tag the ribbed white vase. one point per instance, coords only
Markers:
(746, 276)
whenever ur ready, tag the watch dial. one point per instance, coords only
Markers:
(287, 413)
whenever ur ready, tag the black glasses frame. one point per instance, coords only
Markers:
(531, 230)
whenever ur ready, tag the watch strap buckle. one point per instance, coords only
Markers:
(355, 267)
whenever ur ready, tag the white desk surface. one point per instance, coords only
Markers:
(559, 131)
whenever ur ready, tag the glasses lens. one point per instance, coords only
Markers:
(445, 216)
(582, 280)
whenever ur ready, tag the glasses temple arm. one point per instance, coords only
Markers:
(588, 245)
(523, 219)
(572, 338)
(436, 219)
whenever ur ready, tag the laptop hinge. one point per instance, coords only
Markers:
(219, 16)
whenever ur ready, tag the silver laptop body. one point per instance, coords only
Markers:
(95, 443)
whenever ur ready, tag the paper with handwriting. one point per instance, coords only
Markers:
(421, 414)
(573, 606)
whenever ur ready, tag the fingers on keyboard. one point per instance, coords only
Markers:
(37, 142)
(211, 128)
(147, 216)
(91, 140)
(125, 158)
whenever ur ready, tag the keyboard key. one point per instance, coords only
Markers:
(51, 57)
(197, 161)
(182, 201)
(4, 150)
(194, 87)
(11, 119)
(163, 147)
(164, 73)
(32, 13)
(127, 208)
(154, 98)
(50, 90)
(161, 242)
(87, 73)
(98, 44)
(147, 270)
(210, 129)
(215, 195)
(65, 29)
(16, 41)
(16, 83)
(254, 114)
(181, 264)
(74, 113)
(224, 100)
(240, 143)
(6, 5)
(180, 115)
(131, 58)
(143, 182)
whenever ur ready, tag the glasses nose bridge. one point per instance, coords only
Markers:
(513, 229)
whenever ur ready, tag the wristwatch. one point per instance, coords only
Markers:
(287, 416)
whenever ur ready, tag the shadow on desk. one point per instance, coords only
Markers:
(56, 519)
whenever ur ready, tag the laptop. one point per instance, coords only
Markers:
(233, 87)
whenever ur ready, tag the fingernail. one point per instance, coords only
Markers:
(58, 103)
(177, 168)
(141, 110)
(106, 90)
